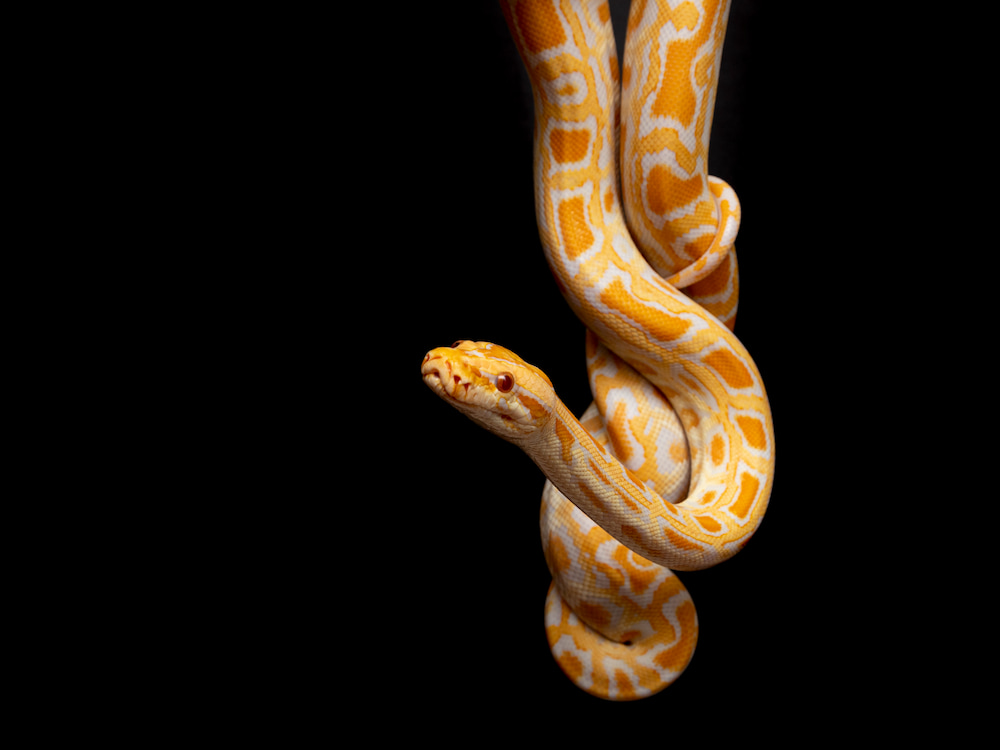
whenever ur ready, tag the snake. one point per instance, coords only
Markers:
(671, 466)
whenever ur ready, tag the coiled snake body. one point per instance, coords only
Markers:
(671, 467)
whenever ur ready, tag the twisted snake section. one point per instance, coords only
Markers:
(672, 465)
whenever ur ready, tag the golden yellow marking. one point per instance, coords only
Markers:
(567, 440)
(715, 283)
(667, 191)
(676, 97)
(728, 365)
(679, 541)
(749, 486)
(625, 689)
(569, 145)
(753, 431)
(660, 325)
(678, 452)
(618, 425)
(558, 554)
(540, 25)
(572, 666)
(668, 139)
(689, 418)
(535, 408)
(641, 579)
(591, 496)
(573, 223)
(631, 532)
(709, 524)
(677, 657)
(718, 451)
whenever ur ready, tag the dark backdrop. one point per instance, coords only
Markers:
(423, 191)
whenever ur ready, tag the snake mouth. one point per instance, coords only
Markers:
(439, 376)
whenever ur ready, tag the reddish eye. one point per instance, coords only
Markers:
(505, 382)
(455, 345)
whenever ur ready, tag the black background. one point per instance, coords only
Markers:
(413, 577)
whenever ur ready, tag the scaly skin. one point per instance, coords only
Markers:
(672, 466)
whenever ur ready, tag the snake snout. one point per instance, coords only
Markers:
(440, 375)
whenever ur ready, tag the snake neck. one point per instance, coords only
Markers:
(595, 481)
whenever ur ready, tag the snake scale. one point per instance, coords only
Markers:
(671, 466)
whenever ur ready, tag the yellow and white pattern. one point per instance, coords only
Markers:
(671, 467)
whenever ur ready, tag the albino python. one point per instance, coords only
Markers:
(671, 466)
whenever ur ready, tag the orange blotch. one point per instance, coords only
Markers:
(698, 247)
(537, 409)
(709, 524)
(641, 579)
(728, 365)
(718, 451)
(753, 431)
(566, 439)
(666, 191)
(715, 282)
(609, 201)
(604, 12)
(591, 496)
(703, 69)
(540, 25)
(573, 223)
(677, 656)
(678, 452)
(660, 325)
(572, 666)
(667, 138)
(690, 419)
(676, 97)
(692, 385)
(679, 541)
(632, 534)
(619, 426)
(569, 145)
(624, 683)
(558, 555)
(749, 487)
(685, 16)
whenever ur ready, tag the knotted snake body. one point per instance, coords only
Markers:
(671, 467)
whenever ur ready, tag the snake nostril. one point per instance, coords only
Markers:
(457, 379)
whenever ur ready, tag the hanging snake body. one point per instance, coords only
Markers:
(671, 467)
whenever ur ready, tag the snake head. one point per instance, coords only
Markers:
(492, 386)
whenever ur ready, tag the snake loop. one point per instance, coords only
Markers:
(671, 467)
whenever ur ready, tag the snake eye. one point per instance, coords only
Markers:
(505, 382)
(455, 345)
